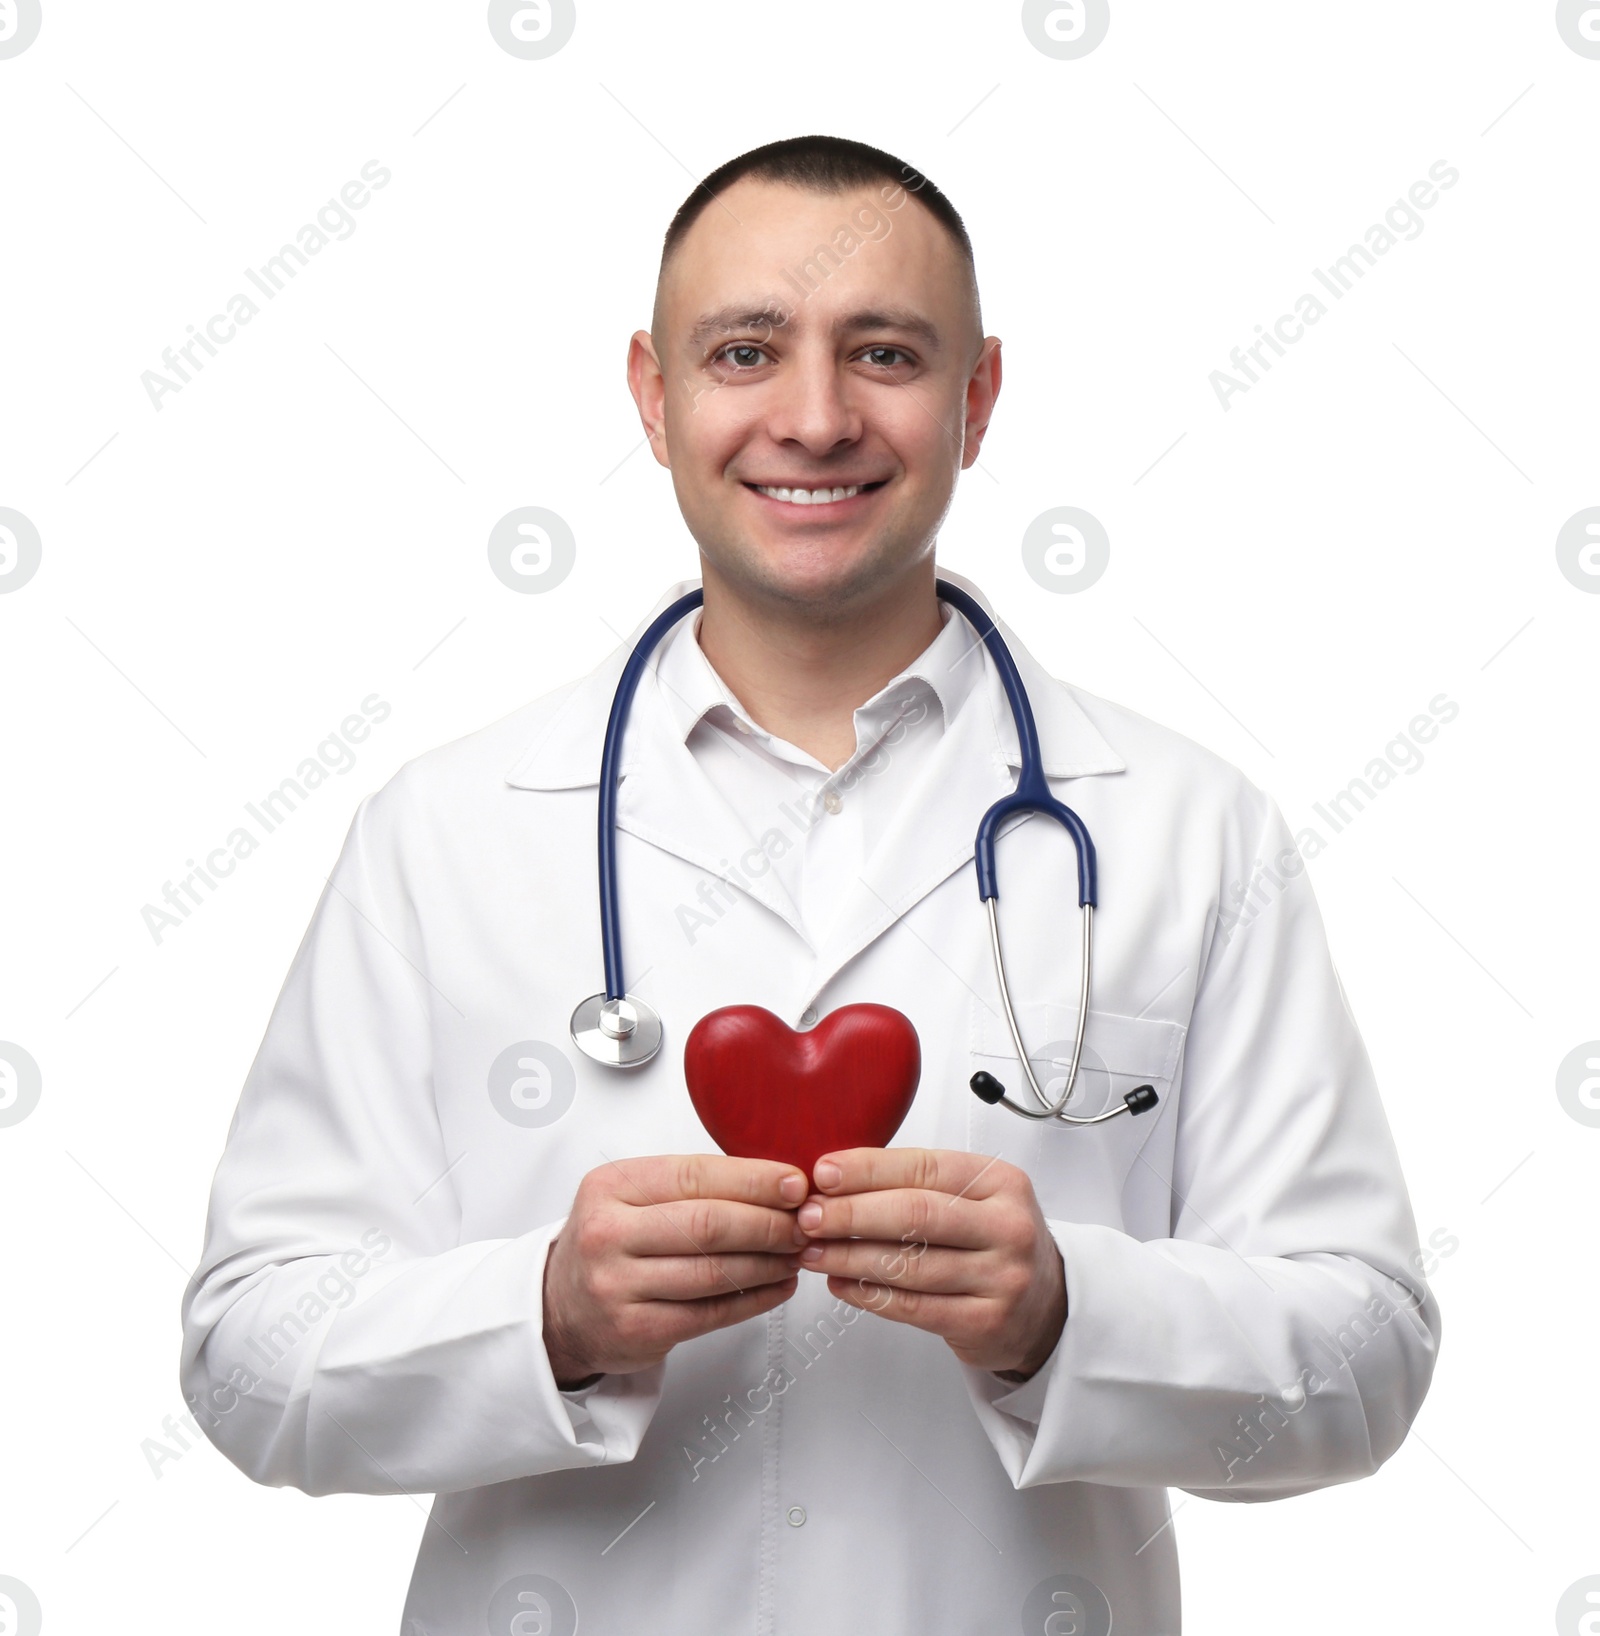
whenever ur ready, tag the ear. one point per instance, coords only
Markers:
(983, 387)
(649, 388)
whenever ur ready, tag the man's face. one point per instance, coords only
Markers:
(820, 343)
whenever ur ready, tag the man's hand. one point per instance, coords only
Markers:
(950, 1242)
(658, 1250)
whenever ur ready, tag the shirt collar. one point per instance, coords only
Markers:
(692, 691)
(564, 729)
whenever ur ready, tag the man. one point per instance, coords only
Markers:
(448, 1253)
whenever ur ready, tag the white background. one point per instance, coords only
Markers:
(1291, 580)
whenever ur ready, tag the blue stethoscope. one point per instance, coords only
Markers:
(622, 1031)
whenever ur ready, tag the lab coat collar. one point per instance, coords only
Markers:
(565, 750)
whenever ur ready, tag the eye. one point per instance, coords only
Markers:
(742, 355)
(887, 357)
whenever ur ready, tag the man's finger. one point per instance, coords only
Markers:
(656, 1178)
(693, 1277)
(688, 1319)
(942, 1315)
(940, 1170)
(706, 1227)
(905, 1266)
(906, 1216)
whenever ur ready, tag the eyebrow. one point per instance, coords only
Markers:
(725, 320)
(774, 315)
(895, 318)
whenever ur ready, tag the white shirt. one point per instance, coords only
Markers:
(1247, 1318)
(818, 826)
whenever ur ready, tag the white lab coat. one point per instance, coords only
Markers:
(379, 1226)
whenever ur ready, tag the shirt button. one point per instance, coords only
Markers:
(797, 1516)
(809, 1015)
(832, 801)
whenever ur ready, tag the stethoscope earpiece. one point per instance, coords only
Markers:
(989, 1089)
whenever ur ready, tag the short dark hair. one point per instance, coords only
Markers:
(818, 164)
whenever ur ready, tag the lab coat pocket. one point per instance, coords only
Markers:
(1079, 1171)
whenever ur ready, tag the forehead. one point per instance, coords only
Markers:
(813, 256)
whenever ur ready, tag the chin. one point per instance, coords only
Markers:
(821, 574)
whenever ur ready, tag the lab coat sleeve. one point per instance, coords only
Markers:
(1283, 1337)
(338, 1337)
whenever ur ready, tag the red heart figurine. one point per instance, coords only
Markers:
(767, 1092)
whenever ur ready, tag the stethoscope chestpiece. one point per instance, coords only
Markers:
(623, 1033)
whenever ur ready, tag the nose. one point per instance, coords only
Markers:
(813, 405)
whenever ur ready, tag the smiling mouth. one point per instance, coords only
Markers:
(813, 497)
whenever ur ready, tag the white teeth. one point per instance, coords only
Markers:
(808, 497)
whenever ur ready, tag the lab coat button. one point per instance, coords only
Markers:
(809, 1015)
(832, 801)
(797, 1516)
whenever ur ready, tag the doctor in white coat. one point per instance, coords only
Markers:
(940, 1386)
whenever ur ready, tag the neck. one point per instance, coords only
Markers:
(802, 672)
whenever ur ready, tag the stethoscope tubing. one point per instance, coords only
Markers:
(610, 767)
(1032, 794)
